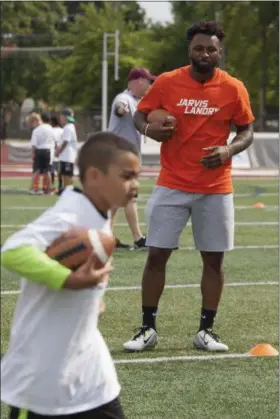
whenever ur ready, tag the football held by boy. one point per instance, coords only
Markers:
(57, 363)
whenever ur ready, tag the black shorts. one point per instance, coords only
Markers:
(42, 160)
(112, 410)
(66, 168)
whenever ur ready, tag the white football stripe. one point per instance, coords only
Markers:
(97, 245)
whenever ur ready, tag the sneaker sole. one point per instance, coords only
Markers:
(209, 350)
(147, 349)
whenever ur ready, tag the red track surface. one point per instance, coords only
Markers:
(10, 169)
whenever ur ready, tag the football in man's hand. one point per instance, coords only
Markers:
(162, 115)
(73, 248)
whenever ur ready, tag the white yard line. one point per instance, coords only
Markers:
(238, 223)
(237, 195)
(248, 247)
(252, 194)
(182, 358)
(37, 208)
(175, 286)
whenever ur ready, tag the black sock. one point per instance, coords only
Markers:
(59, 182)
(207, 319)
(52, 178)
(149, 316)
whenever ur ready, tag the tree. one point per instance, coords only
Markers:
(76, 80)
(26, 24)
(131, 10)
(31, 19)
(38, 24)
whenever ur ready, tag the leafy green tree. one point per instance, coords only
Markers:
(76, 79)
(25, 19)
(131, 10)
(26, 24)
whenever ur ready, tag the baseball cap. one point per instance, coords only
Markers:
(137, 73)
(69, 114)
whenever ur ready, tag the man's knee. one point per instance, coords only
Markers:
(158, 258)
(213, 261)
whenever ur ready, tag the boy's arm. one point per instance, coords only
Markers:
(24, 253)
(66, 137)
(33, 143)
(36, 266)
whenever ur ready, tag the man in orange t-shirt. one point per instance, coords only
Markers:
(195, 176)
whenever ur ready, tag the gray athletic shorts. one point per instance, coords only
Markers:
(212, 215)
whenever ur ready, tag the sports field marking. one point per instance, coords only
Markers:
(145, 196)
(175, 286)
(191, 248)
(182, 358)
(238, 223)
(237, 207)
(238, 195)
(246, 247)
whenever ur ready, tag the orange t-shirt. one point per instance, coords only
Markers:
(204, 114)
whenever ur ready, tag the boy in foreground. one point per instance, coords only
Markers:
(57, 363)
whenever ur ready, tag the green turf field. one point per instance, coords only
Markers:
(188, 387)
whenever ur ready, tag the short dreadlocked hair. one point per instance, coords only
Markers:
(206, 27)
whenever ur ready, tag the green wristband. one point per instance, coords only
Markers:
(34, 265)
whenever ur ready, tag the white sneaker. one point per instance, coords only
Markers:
(146, 337)
(35, 192)
(209, 341)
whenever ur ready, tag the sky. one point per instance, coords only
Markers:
(157, 10)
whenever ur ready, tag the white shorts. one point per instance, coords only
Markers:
(212, 215)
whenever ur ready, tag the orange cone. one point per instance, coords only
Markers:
(258, 205)
(263, 349)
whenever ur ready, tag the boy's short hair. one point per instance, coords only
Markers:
(32, 117)
(45, 116)
(100, 150)
(55, 121)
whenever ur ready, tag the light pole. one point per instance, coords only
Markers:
(106, 35)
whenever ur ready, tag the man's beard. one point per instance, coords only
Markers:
(202, 69)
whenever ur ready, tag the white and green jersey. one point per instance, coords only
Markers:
(57, 362)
